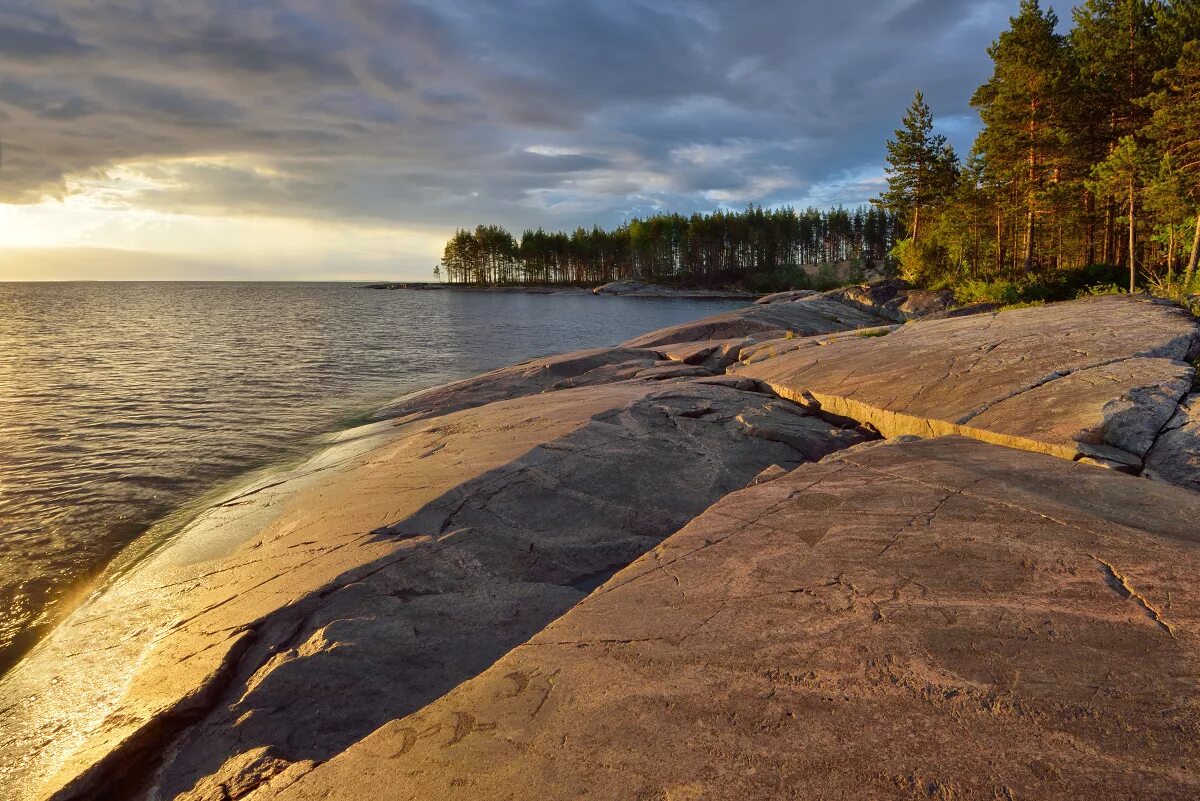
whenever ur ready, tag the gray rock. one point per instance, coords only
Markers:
(894, 299)
(805, 317)
(1175, 456)
(787, 296)
(668, 370)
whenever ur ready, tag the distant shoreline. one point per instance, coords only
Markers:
(628, 289)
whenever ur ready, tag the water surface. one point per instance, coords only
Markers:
(121, 404)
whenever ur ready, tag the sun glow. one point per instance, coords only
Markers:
(106, 215)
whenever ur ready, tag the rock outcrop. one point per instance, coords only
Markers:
(807, 316)
(561, 371)
(366, 592)
(787, 296)
(891, 298)
(895, 299)
(1095, 378)
(405, 617)
(805, 313)
(1175, 456)
(934, 619)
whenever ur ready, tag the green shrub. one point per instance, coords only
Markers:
(1002, 292)
(1100, 289)
(826, 278)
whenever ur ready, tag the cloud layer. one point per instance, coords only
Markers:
(447, 113)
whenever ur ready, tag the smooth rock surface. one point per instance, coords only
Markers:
(770, 348)
(787, 296)
(364, 592)
(805, 317)
(1175, 456)
(561, 371)
(939, 619)
(1090, 378)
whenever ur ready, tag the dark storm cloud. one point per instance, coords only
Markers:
(527, 112)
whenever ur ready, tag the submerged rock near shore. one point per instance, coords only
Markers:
(800, 549)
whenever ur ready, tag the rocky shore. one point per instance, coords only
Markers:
(852, 544)
(630, 289)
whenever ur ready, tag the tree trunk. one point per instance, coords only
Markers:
(1089, 209)
(1028, 240)
(1132, 260)
(1105, 248)
(1191, 266)
(1170, 254)
(1000, 243)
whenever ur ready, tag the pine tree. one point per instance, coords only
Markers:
(1022, 107)
(1120, 177)
(1117, 47)
(1175, 129)
(921, 167)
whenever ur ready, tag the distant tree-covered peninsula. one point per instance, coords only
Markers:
(704, 249)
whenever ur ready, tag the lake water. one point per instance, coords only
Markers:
(123, 404)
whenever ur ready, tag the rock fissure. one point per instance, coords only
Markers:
(1121, 586)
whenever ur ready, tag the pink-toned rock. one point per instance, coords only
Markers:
(1094, 378)
(934, 619)
(805, 317)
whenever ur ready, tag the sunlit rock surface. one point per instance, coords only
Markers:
(1095, 378)
(945, 618)
(815, 314)
(934, 619)
(362, 593)
(547, 374)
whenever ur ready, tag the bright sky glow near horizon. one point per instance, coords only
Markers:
(295, 139)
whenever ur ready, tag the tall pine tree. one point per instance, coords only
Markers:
(1175, 129)
(1022, 108)
(921, 167)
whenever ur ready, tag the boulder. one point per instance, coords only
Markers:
(1175, 456)
(298, 616)
(895, 299)
(805, 317)
(934, 619)
(1092, 378)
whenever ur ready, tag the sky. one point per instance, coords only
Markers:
(317, 140)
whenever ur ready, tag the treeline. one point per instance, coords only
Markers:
(1089, 154)
(1089, 157)
(705, 249)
